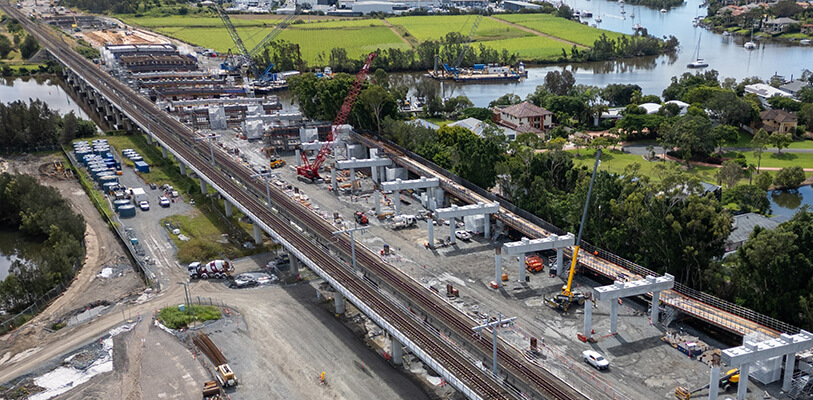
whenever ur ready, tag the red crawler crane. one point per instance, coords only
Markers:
(311, 170)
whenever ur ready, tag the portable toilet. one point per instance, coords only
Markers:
(141, 166)
(127, 211)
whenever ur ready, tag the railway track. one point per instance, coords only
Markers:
(181, 140)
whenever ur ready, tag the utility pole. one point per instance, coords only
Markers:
(210, 137)
(265, 176)
(494, 325)
(351, 231)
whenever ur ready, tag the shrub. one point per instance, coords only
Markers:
(173, 318)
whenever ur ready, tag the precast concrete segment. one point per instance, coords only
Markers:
(751, 352)
(183, 147)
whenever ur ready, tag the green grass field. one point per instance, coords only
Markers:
(535, 48)
(429, 28)
(559, 27)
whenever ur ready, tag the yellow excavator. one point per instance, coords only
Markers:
(729, 380)
(276, 162)
(566, 297)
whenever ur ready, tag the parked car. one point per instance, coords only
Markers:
(152, 186)
(144, 206)
(163, 201)
(462, 235)
(595, 359)
(243, 281)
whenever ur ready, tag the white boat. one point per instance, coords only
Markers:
(663, 10)
(586, 14)
(597, 18)
(750, 45)
(698, 62)
(637, 27)
(623, 11)
(633, 14)
(805, 41)
(726, 33)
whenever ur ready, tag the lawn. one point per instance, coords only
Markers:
(531, 48)
(313, 42)
(559, 27)
(173, 318)
(433, 27)
(772, 160)
(612, 161)
(191, 21)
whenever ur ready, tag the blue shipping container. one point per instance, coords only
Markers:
(141, 166)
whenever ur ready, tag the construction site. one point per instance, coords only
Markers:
(386, 277)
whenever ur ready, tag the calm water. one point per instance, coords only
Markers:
(39, 88)
(653, 74)
(13, 247)
(787, 202)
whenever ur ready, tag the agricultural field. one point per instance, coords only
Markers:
(190, 21)
(559, 27)
(426, 28)
(534, 48)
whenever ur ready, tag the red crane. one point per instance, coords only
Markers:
(311, 170)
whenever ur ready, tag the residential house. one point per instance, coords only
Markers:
(478, 128)
(777, 25)
(424, 123)
(778, 121)
(765, 92)
(742, 227)
(807, 29)
(524, 117)
(794, 87)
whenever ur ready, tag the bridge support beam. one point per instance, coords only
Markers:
(164, 152)
(560, 261)
(377, 201)
(258, 234)
(294, 264)
(298, 158)
(588, 318)
(397, 351)
(430, 230)
(714, 382)
(787, 378)
(452, 224)
(487, 226)
(352, 179)
(203, 187)
(521, 265)
(183, 167)
(228, 208)
(498, 266)
(656, 307)
(742, 387)
(340, 303)
(613, 315)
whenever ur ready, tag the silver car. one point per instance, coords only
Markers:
(595, 359)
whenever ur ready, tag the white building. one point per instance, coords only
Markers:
(765, 92)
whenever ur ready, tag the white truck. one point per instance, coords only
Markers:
(403, 221)
(139, 195)
(214, 269)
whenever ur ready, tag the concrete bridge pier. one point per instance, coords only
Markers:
(228, 207)
(560, 262)
(182, 166)
(164, 152)
(258, 232)
(203, 187)
(397, 351)
(118, 116)
(340, 303)
(294, 264)
(430, 228)
(333, 183)
(377, 201)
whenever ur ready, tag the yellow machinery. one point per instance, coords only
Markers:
(731, 378)
(564, 299)
(75, 25)
(276, 162)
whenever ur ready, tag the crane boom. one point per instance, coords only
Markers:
(311, 170)
(566, 290)
(236, 38)
(273, 34)
(463, 52)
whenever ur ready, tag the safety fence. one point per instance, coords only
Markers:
(23, 316)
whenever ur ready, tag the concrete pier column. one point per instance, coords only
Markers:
(377, 201)
(522, 267)
(790, 363)
(294, 264)
(498, 266)
(588, 318)
(656, 307)
(258, 234)
(183, 168)
(298, 158)
(352, 178)
(228, 208)
(430, 228)
(397, 351)
(613, 316)
(560, 261)
(742, 387)
(333, 183)
(487, 226)
(451, 231)
(430, 199)
(164, 152)
(203, 188)
(118, 118)
(397, 199)
(150, 140)
(374, 172)
(340, 303)
(714, 382)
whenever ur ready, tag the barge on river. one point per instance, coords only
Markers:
(480, 73)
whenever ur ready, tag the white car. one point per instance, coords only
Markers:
(144, 206)
(163, 201)
(595, 359)
(462, 235)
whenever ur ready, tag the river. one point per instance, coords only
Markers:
(12, 246)
(787, 202)
(723, 53)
